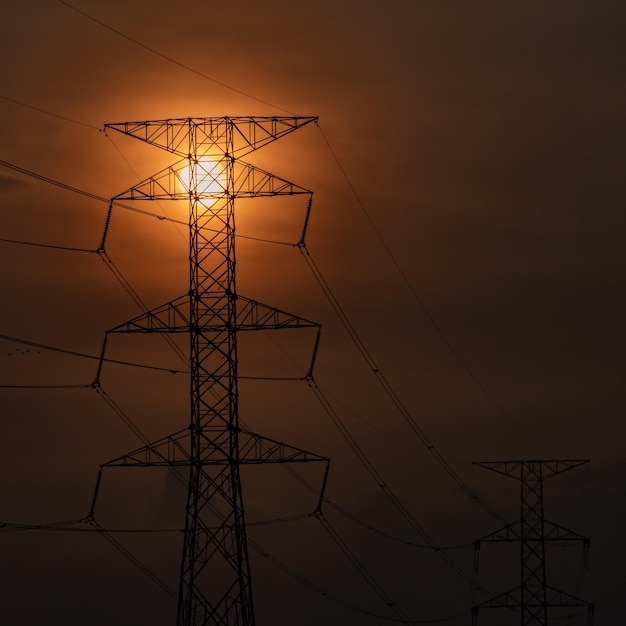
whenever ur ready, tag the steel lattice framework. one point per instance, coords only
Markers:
(215, 583)
(533, 597)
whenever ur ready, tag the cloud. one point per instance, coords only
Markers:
(8, 183)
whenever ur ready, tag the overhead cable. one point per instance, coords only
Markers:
(82, 192)
(389, 493)
(358, 565)
(83, 355)
(422, 305)
(46, 245)
(61, 117)
(389, 390)
(170, 59)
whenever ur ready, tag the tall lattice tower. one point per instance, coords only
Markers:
(210, 175)
(533, 597)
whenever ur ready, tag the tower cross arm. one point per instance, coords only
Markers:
(250, 181)
(558, 598)
(551, 532)
(514, 469)
(555, 532)
(255, 132)
(254, 448)
(170, 317)
(507, 599)
(510, 532)
(513, 599)
(253, 315)
(168, 184)
(169, 451)
(236, 135)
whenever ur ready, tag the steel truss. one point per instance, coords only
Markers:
(215, 585)
(533, 597)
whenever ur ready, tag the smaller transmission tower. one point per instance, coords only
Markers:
(533, 597)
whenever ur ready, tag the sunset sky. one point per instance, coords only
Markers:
(468, 174)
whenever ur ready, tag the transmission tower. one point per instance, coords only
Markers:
(533, 597)
(215, 583)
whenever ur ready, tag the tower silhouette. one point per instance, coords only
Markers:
(215, 585)
(533, 597)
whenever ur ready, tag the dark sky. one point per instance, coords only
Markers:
(485, 143)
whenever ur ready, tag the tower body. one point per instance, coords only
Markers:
(215, 549)
(532, 545)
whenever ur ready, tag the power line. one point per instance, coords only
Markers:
(84, 355)
(95, 527)
(70, 526)
(134, 560)
(357, 520)
(422, 305)
(172, 60)
(61, 117)
(81, 192)
(45, 245)
(380, 431)
(136, 299)
(389, 536)
(336, 599)
(84, 386)
(132, 169)
(358, 565)
(122, 415)
(391, 496)
(393, 396)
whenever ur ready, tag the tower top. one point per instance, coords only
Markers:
(190, 136)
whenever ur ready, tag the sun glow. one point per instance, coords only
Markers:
(206, 177)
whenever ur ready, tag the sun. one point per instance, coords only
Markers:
(206, 176)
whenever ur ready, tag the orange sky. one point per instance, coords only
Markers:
(485, 142)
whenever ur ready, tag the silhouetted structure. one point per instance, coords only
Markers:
(215, 574)
(533, 597)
